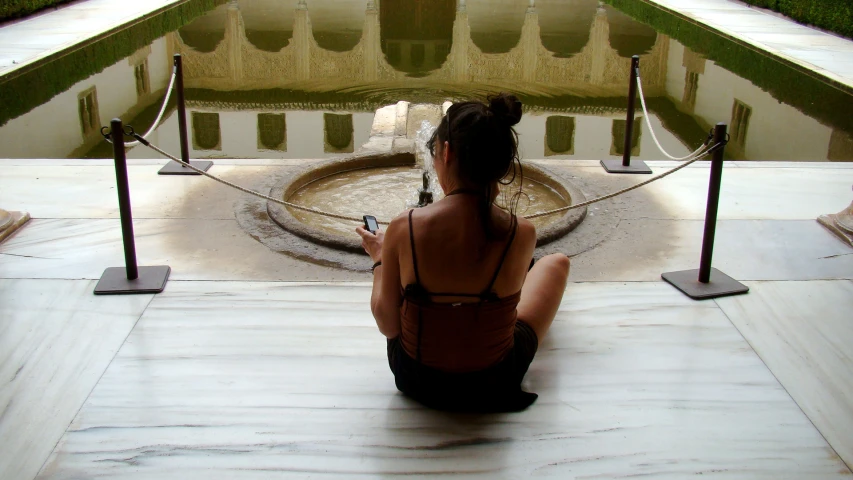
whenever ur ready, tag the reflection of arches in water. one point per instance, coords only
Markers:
(272, 132)
(338, 132)
(336, 25)
(269, 41)
(564, 25)
(496, 24)
(337, 41)
(617, 146)
(627, 36)
(416, 35)
(268, 24)
(559, 135)
(206, 131)
(205, 33)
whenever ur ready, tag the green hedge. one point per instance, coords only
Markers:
(814, 97)
(19, 8)
(27, 91)
(833, 15)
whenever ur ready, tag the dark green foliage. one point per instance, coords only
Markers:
(833, 15)
(827, 103)
(19, 8)
(26, 91)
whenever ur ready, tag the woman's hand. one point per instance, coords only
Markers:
(371, 243)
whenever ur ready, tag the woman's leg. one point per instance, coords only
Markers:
(542, 292)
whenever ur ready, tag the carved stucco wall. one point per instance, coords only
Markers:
(597, 70)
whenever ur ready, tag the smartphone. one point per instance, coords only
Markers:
(370, 224)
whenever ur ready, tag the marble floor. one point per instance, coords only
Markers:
(25, 43)
(825, 54)
(253, 364)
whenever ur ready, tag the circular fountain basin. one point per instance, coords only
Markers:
(386, 185)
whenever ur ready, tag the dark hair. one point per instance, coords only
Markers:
(486, 146)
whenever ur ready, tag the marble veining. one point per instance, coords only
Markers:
(247, 380)
(56, 339)
(803, 332)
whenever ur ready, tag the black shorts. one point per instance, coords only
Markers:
(495, 389)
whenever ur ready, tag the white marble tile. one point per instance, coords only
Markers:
(750, 193)
(750, 25)
(248, 380)
(56, 340)
(642, 249)
(90, 192)
(638, 250)
(803, 332)
(195, 249)
(71, 24)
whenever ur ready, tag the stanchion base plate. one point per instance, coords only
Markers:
(721, 285)
(175, 168)
(151, 280)
(615, 166)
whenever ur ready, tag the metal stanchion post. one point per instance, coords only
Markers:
(130, 278)
(175, 168)
(708, 282)
(625, 166)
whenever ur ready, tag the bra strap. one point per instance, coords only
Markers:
(488, 289)
(414, 253)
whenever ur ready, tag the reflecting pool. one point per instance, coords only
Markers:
(302, 79)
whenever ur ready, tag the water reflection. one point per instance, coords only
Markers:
(301, 79)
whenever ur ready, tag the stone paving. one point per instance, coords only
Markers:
(252, 363)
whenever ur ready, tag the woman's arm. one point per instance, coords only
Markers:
(386, 298)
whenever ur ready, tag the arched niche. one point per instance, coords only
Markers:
(628, 36)
(416, 35)
(564, 25)
(205, 33)
(337, 25)
(268, 23)
(496, 24)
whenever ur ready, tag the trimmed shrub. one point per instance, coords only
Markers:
(832, 15)
(18, 8)
(25, 92)
(829, 104)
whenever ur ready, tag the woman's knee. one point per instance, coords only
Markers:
(559, 263)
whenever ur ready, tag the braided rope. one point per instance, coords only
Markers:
(162, 110)
(383, 222)
(246, 190)
(624, 190)
(652, 131)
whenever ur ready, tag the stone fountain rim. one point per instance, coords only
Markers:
(298, 178)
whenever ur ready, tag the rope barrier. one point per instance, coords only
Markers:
(625, 190)
(148, 144)
(651, 130)
(157, 149)
(162, 111)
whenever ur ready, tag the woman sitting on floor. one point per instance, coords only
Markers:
(451, 290)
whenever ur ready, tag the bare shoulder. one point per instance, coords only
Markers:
(526, 230)
(398, 225)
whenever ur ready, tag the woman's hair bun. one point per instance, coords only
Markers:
(506, 107)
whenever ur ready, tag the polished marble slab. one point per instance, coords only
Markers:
(247, 380)
(750, 193)
(74, 191)
(56, 340)
(637, 250)
(195, 249)
(68, 26)
(803, 332)
(749, 25)
(641, 249)
(90, 192)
